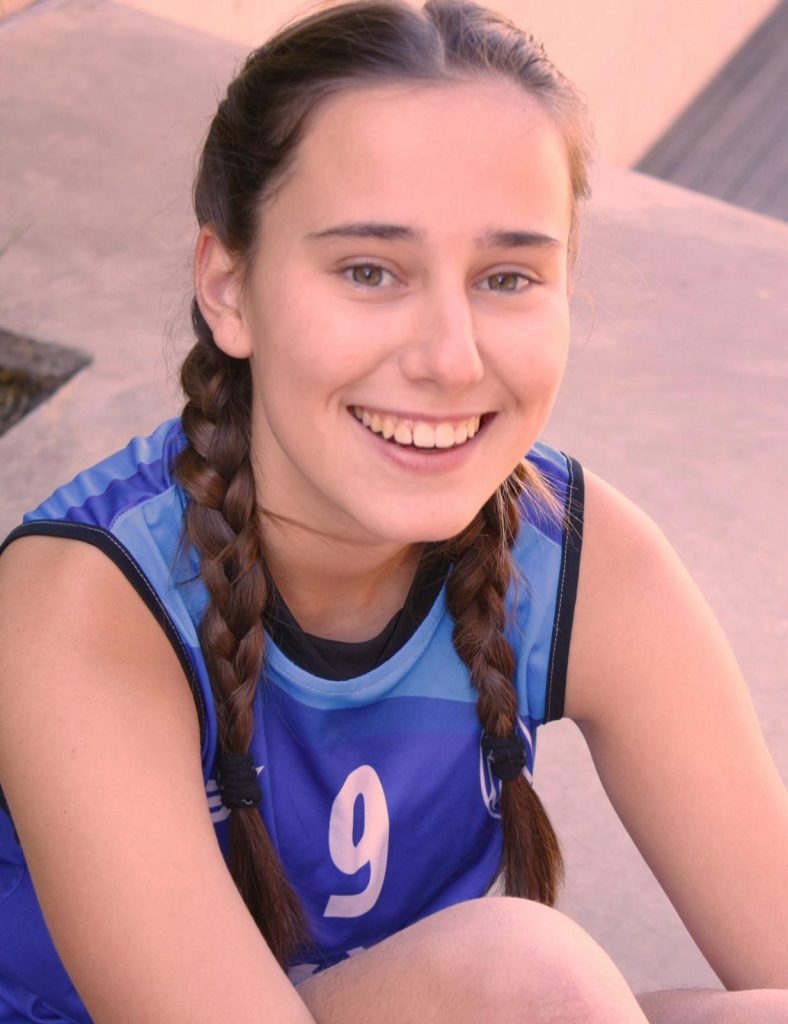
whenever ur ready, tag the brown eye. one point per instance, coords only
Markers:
(367, 273)
(506, 282)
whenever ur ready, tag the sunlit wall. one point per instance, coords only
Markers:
(639, 62)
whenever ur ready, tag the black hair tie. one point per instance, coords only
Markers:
(506, 754)
(236, 777)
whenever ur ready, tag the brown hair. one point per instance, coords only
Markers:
(250, 145)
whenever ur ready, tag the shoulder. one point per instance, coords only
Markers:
(635, 603)
(79, 651)
(80, 654)
(126, 513)
(608, 596)
(617, 536)
(76, 600)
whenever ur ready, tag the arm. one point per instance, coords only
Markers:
(99, 760)
(657, 693)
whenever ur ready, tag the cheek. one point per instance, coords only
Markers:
(292, 347)
(534, 355)
(311, 342)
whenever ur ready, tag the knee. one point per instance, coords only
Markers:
(511, 954)
(713, 1006)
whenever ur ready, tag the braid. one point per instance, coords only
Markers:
(222, 525)
(475, 592)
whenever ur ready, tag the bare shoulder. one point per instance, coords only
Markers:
(66, 609)
(636, 605)
(88, 680)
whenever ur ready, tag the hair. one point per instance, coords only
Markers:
(251, 144)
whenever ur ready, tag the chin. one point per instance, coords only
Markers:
(429, 528)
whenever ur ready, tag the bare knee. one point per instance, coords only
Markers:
(711, 1006)
(517, 953)
(508, 960)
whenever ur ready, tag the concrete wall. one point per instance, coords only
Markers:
(638, 62)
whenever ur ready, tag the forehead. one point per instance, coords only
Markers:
(461, 155)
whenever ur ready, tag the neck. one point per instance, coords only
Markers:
(335, 589)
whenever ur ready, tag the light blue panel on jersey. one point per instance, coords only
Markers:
(98, 495)
(152, 531)
(413, 670)
(530, 613)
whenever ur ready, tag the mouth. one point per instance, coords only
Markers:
(413, 432)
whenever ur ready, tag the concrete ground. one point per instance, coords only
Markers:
(676, 392)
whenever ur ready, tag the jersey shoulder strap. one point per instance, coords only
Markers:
(547, 556)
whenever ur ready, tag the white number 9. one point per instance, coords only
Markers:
(372, 847)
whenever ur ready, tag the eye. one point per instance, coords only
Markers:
(508, 281)
(369, 275)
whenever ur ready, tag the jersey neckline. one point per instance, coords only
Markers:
(370, 685)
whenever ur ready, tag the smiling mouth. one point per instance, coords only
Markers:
(415, 433)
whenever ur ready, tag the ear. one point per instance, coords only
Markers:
(218, 286)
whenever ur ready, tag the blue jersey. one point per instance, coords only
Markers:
(376, 793)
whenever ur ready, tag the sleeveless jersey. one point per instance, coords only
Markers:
(376, 793)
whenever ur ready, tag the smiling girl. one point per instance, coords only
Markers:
(306, 631)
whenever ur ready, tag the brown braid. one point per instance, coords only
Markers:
(223, 525)
(253, 140)
(475, 591)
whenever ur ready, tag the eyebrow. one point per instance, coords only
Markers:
(368, 229)
(500, 239)
(516, 240)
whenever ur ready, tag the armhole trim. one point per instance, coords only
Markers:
(567, 591)
(125, 561)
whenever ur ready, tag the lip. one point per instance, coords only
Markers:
(428, 461)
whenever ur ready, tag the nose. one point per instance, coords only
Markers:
(442, 345)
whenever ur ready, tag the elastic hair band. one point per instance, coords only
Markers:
(506, 755)
(236, 777)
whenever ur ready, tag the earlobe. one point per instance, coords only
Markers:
(217, 286)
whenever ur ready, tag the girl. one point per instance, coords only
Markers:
(334, 597)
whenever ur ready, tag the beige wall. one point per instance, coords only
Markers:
(638, 61)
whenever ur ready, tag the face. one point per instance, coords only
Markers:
(406, 313)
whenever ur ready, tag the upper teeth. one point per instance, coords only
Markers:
(417, 432)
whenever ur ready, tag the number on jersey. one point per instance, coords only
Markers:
(373, 844)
